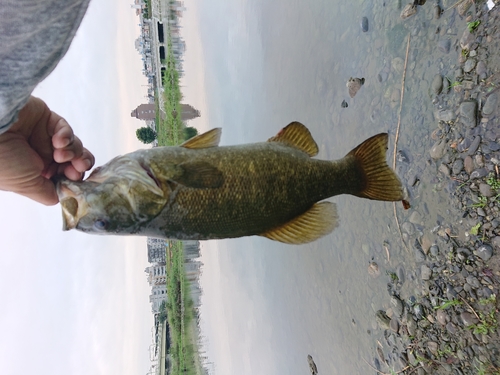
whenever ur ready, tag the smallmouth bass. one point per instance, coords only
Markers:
(201, 191)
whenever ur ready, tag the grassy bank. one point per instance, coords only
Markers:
(180, 314)
(170, 128)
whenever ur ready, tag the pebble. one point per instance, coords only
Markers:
(468, 112)
(445, 115)
(426, 272)
(484, 252)
(485, 190)
(397, 306)
(364, 24)
(490, 104)
(444, 45)
(451, 328)
(469, 65)
(468, 164)
(457, 167)
(474, 145)
(439, 149)
(481, 69)
(442, 317)
(468, 318)
(437, 84)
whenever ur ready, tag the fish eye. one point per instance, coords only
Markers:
(100, 224)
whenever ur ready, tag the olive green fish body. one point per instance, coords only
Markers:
(201, 191)
(264, 185)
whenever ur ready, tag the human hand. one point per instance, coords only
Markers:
(39, 146)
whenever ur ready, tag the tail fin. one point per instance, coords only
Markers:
(381, 183)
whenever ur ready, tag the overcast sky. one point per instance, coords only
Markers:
(73, 303)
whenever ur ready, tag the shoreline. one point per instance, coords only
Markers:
(453, 326)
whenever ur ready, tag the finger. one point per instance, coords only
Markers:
(42, 191)
(84, 162)
(62, 134)
(70, 172)
(70, 152)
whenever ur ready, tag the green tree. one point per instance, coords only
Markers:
(190, 132)
(145, 135)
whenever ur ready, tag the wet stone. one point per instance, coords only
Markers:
(451, 328)
(437, 84)
(474, 145)
(469, 65)
(481, 69)
(490, 104)
(426, 272)
(468, 110)
(443, 168)
(484, 252)
(442, 317)
(468, 318)
(445, 115)
(473, 281)
(397, 306)
(434, 250)
(393, 324)
(364, 24)
(438, 150)
(382, 319)
(444, 45)
(432, 346)
(458, 165)
(485, 190)
(464, 145)
(468, 164)
(479, 173)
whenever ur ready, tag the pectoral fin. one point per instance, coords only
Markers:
(315, 223)
(210, 138)
(199, 175)
(298, 136)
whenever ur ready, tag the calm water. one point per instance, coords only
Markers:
(268, 305)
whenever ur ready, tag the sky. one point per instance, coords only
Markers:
(70, 302)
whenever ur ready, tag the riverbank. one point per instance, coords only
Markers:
(452, 325)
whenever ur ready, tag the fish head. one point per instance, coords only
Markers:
(120, 197)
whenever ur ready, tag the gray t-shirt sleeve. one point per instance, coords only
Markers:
(34, 36)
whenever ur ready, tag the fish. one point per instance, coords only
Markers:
(202, 191)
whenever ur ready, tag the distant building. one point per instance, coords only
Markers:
(189, 112)
(147, 112)
(156, 250)
(144, 112)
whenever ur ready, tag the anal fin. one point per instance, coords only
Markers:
(315, 223)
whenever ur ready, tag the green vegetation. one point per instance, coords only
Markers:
(475, 229)
(145, 135)
(146, 13)
(483, 201)
(473, 25)
(493, 181)
(487, 323)
(179, 313)
(393, 276)
(170, 128)
(447, 304)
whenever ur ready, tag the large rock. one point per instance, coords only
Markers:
(438, 150)
(468, 112)
(491, 104)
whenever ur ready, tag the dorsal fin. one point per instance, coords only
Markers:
(316, 222)
(210, 138)
(298, 136)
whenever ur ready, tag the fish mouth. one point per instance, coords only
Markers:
(72, 204)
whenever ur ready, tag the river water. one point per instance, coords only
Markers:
(266, 305)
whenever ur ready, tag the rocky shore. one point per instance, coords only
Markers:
(452, 325)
